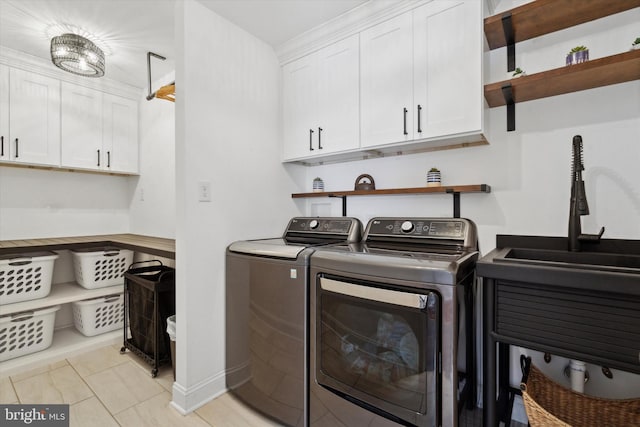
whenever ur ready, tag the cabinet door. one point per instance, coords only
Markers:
(339, 96)
(120, 133)
(81, 126)
(34, 121)
(387, 82)
(448, 54)
(4, 113)
(299, 107)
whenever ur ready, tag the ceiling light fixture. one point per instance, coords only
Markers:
(77, 55)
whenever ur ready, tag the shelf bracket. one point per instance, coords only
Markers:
(507, 93)
(344, 203)
(507, 27)
(456, 202)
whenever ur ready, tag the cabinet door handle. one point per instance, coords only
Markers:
(310, 139)
(320, 138)
(17, 146)
(419, 121)
(405, 121)
(1, 146)
(98, 158)
(108, 159)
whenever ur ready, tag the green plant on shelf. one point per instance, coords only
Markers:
(518, 72)
(578, 49)
(636, 42)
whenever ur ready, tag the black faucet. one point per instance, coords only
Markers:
(578, 205)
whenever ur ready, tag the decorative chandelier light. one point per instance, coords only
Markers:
(77, 55)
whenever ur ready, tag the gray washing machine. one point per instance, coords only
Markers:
(266, 315)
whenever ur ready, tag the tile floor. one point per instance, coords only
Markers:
(107, 389)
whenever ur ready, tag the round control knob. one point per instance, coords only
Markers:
(407, 227)
(313, 224)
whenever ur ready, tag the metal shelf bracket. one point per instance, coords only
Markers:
(507, 93)
(507, 27)
(344, 203)
(456, 202)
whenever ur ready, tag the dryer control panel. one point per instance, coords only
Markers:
(422, 230)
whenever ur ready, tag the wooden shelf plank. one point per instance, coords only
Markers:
(546, 16)
(146, 244)
(609, 70)
(476, 188)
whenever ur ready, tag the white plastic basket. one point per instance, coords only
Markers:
(99, 315)
(24, 277)
(100, 267)
(26, 332)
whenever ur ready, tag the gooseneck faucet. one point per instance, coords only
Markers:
(578, 205)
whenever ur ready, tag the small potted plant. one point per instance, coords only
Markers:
(433, 178)
(318, 185)
(577, 55)
(518, 72)
(636, 44)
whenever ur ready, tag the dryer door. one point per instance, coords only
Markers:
(378, 347)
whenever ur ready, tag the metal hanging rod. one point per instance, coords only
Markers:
(165, 92)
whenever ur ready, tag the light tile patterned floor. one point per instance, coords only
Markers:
(107, 389)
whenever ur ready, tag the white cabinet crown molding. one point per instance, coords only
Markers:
(17, 59)
(345, 25)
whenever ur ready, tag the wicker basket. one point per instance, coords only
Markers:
(549, 404)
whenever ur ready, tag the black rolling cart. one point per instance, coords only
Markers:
(149, 289)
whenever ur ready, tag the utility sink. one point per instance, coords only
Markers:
(567, 259)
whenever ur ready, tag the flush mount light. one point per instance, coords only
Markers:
(77, 55)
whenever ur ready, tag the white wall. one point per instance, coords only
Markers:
(227, 133)
(528, 169)
(153, 202)
(40, 203)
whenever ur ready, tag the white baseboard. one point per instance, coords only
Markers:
(188, 399)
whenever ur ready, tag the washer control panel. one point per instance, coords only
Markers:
(343, 228)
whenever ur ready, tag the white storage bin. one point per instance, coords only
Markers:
(99, 315)
(24, 277)
(101, 267)
(26, 332)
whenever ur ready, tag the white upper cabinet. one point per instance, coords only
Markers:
(321, 101)
(99, 130)
(387, 82)
(81, 127)
(447, 68)
(300, 105)
(34, 119)
(339, 96)
(120, 134)
(4, 112)
(419, 86)
(421, 74)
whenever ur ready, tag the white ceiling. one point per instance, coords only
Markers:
(128, 29)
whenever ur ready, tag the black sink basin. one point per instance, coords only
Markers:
(580, 260)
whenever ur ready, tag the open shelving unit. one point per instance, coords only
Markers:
(619, 68)
(62, 293)
(546, 16)
(455, 190)
(67, 341)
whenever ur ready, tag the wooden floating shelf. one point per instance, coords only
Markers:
(445, 189)
(546, 16)
(609, 70)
